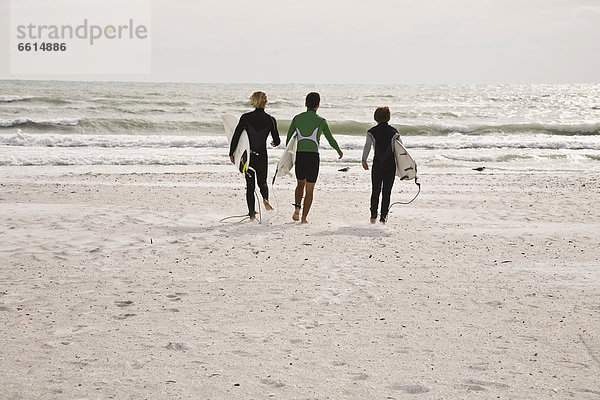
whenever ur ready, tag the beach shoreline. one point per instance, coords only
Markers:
(127, 285)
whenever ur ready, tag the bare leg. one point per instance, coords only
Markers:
(267, 205)
(308, 199)
(298, 198)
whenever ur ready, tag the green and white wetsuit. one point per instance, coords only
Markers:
(309, 127)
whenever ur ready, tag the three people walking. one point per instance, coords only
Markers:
(308, 128)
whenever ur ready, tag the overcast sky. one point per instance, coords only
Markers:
(374, 41)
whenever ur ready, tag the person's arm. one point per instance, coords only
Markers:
(367, 150)
(396, 136)
(291, 131)
(275, 134)
(332, 142)
(236, 136)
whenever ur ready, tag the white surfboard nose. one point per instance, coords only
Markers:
(241, 154)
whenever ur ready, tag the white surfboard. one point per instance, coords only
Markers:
(241, 155)
(288, 159)
(406, 167)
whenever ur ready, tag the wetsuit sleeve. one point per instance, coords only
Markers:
(236, 134)
(291, 131)
(329, 137)
(396, 136)
(367, 148)
(275, 132)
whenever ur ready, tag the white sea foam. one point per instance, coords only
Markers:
(4, 122)
(209, 156)
(39, 149)
(11, 99)
(111, 141)
(455, 141)
(101, 123)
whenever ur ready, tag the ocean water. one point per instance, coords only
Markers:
(531, 127)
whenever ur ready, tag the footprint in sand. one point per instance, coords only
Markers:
(410, 389)
(272, 382)
(359, 377)
(176, 346)
(125, 303)
(475, 388)
(141, 363)
(77, 329)
(123, 316)
(477, 385)
(483, 366)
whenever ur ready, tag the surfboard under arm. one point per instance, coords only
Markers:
(241, 154)
(288, 159)
(406, 167)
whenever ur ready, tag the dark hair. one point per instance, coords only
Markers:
(382, 114)
(312, 100)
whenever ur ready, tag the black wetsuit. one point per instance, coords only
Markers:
(383, 170)
(258, 124)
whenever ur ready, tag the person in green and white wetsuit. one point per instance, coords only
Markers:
(308, 126)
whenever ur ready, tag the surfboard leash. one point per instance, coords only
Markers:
(245, 217)
(258, 202)
(407, 202)
(276, 202)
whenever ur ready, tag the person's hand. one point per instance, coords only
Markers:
(232, 159)
(341, 153)
(365, 166)
(273, 144)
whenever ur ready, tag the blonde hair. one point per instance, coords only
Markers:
(258, 99)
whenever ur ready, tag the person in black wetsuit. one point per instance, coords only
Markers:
(258, 124)
(383, 169)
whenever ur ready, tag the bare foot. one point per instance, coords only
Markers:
(382, 222)
(296, 216)
(304, 221)
(373, 220)
(267, 205)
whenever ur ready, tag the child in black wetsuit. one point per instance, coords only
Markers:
(258, 124)
(383, 170)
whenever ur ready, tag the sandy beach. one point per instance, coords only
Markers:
(129, 268)
(116, 284)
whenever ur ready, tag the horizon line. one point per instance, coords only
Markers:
(296, 83)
